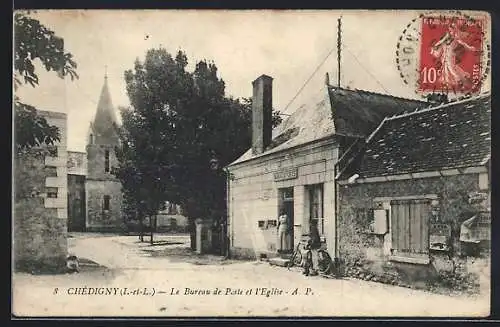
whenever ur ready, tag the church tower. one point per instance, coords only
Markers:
(103, 190)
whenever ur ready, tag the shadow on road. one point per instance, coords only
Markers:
(185, 254)
(160, 243)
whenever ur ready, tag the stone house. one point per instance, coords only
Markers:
(293, 166)
(171, 218)
(40, 203)
(414, 197)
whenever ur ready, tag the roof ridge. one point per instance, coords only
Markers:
(374, 93)
(439, 106)
(376, 130)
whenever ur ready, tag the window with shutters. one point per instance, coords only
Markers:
(410, 227)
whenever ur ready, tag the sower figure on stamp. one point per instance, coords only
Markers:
(283, 231)
(314, 243)
(447, 50)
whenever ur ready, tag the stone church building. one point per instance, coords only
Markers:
(94, 193)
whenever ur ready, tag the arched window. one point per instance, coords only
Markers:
(91, 138)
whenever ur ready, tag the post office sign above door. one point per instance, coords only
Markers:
(286, 173)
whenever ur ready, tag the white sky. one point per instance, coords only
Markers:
(287, 45)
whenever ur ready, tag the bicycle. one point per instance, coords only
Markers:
(297, 257)
(325, 262)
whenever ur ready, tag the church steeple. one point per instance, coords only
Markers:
(103, 195)
(105, 120)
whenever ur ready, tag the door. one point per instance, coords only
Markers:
(286, 203)
(78, 216)
(288, 207)
(316, 207)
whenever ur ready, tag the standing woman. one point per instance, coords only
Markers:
(283, 231)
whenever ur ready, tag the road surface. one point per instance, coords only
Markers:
(165, 280)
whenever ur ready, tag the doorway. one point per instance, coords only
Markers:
(76, 203)
(286, 203)
(315, 194)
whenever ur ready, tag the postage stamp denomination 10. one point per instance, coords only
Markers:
(444, 53)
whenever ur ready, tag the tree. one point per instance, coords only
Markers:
(134, 170)
(33, 41)
(180, 124)
(146, 137)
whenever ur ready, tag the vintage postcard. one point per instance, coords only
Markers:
(251, 163)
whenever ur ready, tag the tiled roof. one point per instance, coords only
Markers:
(358, 112)
(354, 112)
(308, 123)
(448, 136)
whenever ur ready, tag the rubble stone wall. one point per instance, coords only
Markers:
(363, 252)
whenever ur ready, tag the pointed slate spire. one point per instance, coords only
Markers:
(105, 117)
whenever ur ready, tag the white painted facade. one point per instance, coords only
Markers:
(254, 196)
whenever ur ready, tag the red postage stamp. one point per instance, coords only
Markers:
(450, 54)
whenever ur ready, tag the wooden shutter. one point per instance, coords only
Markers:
(409, 219)
(400, 222)
(419, 233)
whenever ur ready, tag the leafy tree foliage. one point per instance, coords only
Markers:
(181, 130)
(33, 41)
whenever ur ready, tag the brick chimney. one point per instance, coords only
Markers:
(262, 104)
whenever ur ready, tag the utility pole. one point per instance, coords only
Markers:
(339, 43)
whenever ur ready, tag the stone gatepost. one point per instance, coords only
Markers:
(203, 235)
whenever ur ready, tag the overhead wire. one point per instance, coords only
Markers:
(365, 69)
(309, 79)
(322, 63)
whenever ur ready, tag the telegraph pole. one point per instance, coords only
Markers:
(339, 43)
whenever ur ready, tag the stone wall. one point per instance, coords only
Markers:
(363, 252)
(96, 162)
(39, 234)
(97, 218)
(98, 184)
(60, 163)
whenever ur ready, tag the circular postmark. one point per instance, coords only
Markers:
(444, 53)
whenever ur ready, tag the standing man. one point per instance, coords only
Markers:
(315, 244)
